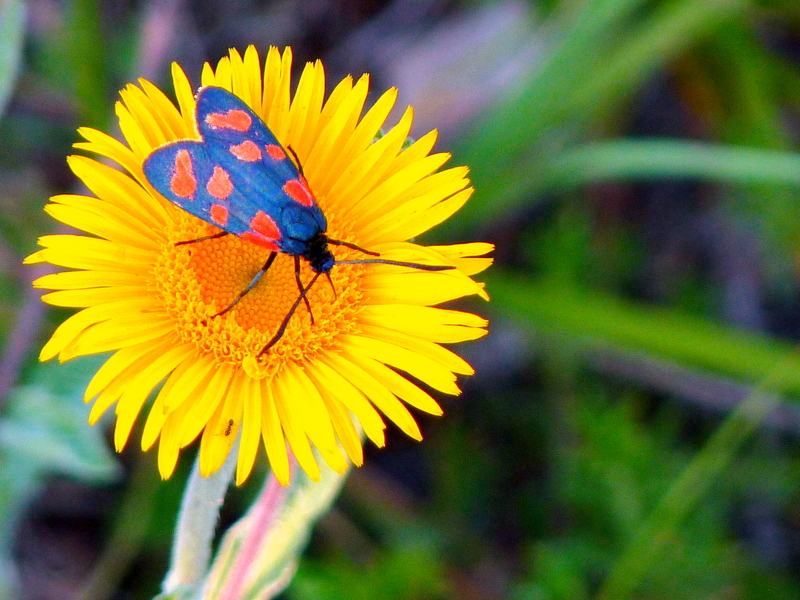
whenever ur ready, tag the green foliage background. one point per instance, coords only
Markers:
(632, 431)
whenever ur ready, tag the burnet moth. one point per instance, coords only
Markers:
(241, 179)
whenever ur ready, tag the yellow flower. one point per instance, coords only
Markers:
(154, 304)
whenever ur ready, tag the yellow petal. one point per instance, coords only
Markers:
(310, 409)
(278, 116)
(114, 225)
(359, 138)
(169, 117)
(81, 252)
(429, 323)
(78, 322)
(116, 333)
(292, 425)
(272, 77)
(105, 145)
(138, 389)
(394, 285)
(75, 280)
(183, 382)
(369, 168)
(426, 348)
(274, 442)
(309, 99)
(421, 367)
(126, 359)
(400, 387)
(120, 190)
(203, 408)
(251, 429)
(333, 385)
(220, 433)
(337, 126)
(345, 429)
(382, 398)
(169, 447)
(90, 297)
(185, 96)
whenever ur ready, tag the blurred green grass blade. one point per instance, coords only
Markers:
(515, 141)
(752, 114)
(661, 527)
(741, 71)
(508, 130)
(85, 54)
(670, 29)
(667, 158)
(12, 30)
(601, 319)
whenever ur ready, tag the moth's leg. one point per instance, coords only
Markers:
(333, 287)
(296, 160)
(279, 334)
(252, 283)
(300, 286)
(203, 239)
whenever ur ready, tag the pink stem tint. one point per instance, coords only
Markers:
(262, 517)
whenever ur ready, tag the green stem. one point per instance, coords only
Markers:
(258, 555)
(197, 522)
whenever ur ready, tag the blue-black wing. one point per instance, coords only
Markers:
(186, 175)
(237, 177)
(260, 167)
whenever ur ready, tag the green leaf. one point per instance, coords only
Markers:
(600, 319)
(51, 434)
(668, 158)
(12, 30)
(44, 431)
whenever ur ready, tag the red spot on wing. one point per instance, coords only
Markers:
(183, 182)
(275, 152)
(297, 189)
(235, 119)
(260, 240)
(220, 185)
(247, 151)
(265, 226)
(219, 214)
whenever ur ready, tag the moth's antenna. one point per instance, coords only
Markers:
(282, 329)
(397, 263)
(352, 246)
(370, 261)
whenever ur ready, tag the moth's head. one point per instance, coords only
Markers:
(319, 255)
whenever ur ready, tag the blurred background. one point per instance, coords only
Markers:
(634, 164)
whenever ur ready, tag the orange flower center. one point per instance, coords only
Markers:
(197, 281)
